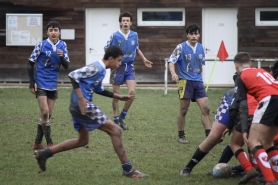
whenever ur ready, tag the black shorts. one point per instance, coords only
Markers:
(49, 94)
(267, 111)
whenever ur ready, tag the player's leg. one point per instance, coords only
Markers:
(263, 130)
(184, 104)
(129, 79)
(41, 96)
(51, 104)
(236, 146)
(204, 148)
(115, 133)
(115, 104)
(200, 95)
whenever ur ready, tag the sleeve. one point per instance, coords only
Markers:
(176, 54)
(84, 72)
(108, 43)
(36, 53)
(243, 110)
(65, 52)
(241, 90)
(233, 112)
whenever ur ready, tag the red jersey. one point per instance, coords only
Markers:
(252, 104)
(258, 83)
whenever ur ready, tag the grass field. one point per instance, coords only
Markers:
(150, 142)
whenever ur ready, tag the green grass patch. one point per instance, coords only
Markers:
(150, 142)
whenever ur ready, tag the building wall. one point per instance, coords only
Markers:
(156, 43)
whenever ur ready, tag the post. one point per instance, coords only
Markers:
(166, 75)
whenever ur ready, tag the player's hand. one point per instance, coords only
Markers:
(32, 90)
(148, 63)
(226, 131)
(60, 52)
(82, 102)
(245, 138)
(175, 78)
(127, 98)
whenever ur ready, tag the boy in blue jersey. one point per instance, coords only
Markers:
(127, 40)
(189, 56)
(48, 56)
(87, 116)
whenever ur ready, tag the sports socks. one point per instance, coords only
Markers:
(47, 132)
(127, 166)
(242, 158)
(116, 120)
(207, 131)
(39, 135)
(47, 153)
(197, 157)
(181, 134)
(273, 160)
(261, 157)
(227, 154)
(123, 114)
(252, 160)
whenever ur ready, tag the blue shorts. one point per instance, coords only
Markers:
(122, 73)
(222, 112)
(191, 89)
(93, 119)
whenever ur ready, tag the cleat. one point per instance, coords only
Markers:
(40, 159)
(248, 176)
(182, 140)
(185, 172)
(122, 124)
(38, 146)
(135, 174)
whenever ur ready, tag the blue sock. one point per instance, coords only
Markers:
(127, 166)
(123, 114)
(116, 119)
(47, 153)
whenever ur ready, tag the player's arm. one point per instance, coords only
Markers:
(173, 60)
(241, 98)
(65, 63)
(31, 74)
(116, 96)
(233, 112)
(146, 61)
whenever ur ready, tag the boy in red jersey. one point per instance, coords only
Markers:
(264, 88)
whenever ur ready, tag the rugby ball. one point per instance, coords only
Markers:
(222, 170)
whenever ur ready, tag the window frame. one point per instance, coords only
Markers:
(258, 22)
(140, 22)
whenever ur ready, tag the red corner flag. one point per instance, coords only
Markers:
(222, 52)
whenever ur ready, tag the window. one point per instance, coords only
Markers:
(266, 17)
(161, 17)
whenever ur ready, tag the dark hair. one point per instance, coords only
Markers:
(125, 14)
(274, 69)
(53, 24)
(193, 28)
(113, 51)
(242, 58)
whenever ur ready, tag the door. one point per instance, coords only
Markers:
(219, 24)
(100, 24)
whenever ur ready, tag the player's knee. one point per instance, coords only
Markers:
(83, 141)
(183, 112)
(206, 110)
(213, 138)
(132, 92)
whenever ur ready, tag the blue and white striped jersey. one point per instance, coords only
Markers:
(189, 61)
(48, 63)
(90, 80)
(128, 43)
